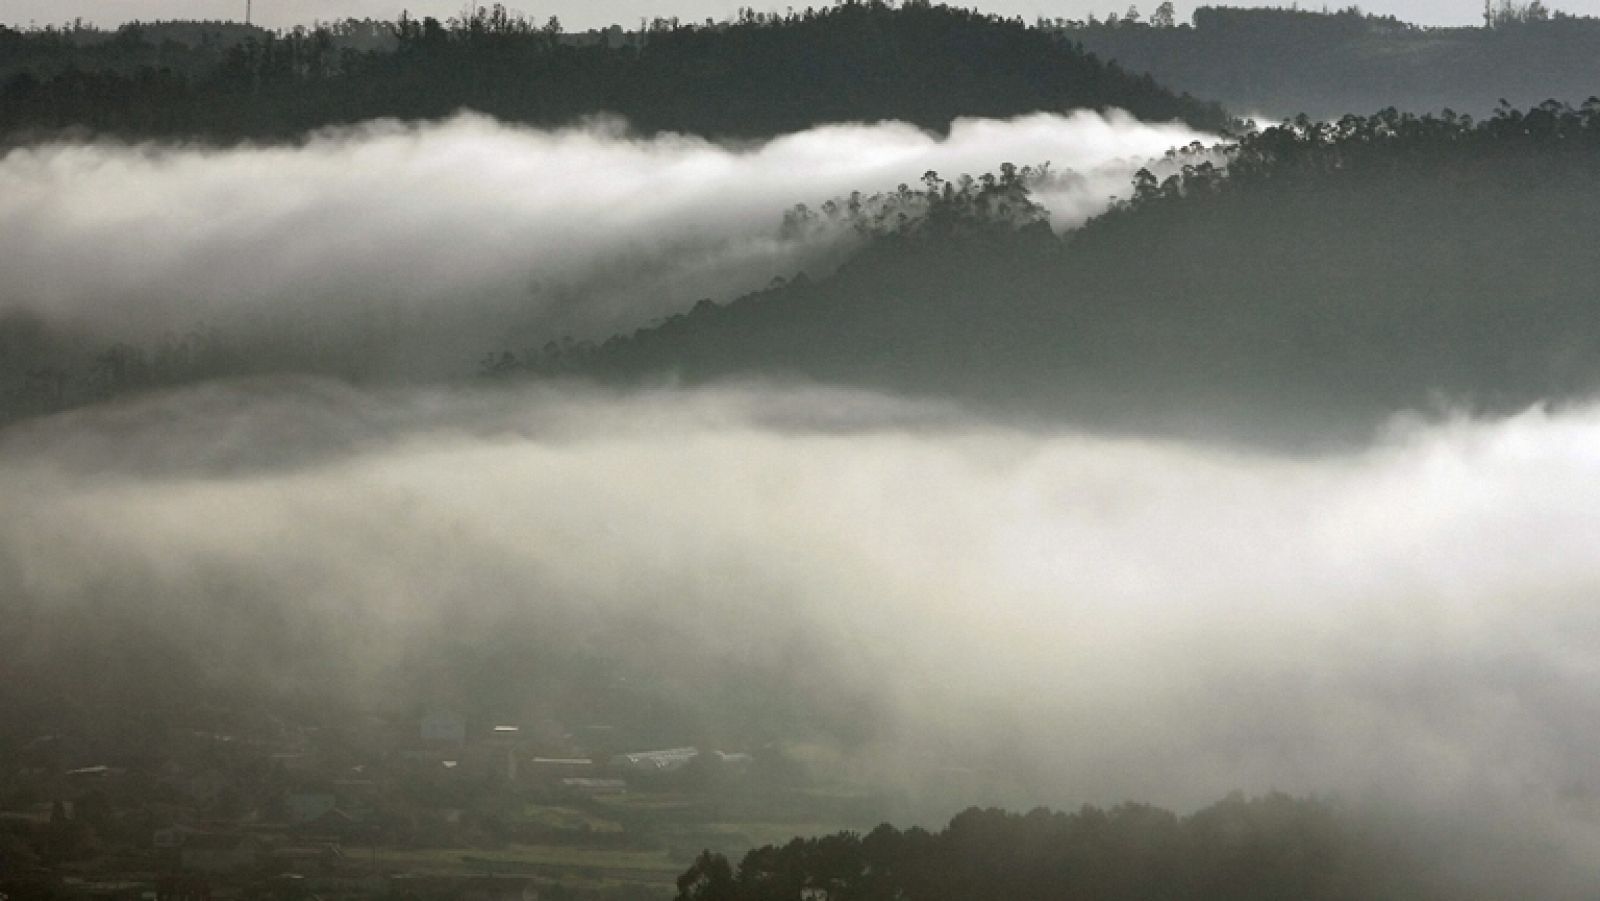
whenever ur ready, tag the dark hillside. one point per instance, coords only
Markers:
(1335, 275)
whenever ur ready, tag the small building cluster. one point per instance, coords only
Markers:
(266, 809)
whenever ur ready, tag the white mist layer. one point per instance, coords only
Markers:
(469, 222)
(1067, 618)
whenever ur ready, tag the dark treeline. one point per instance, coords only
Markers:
(1280, 62)
(1331, 275)
(756, 76)
(191, 48)
(1274, 847)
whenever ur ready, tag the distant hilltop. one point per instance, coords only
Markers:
(1278, 63)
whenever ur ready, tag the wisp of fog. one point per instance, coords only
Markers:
(1052, 617)
(476, 230)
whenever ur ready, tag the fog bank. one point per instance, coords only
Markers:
(1053, 617)
(471, 231)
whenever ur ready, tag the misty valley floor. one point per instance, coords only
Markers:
(752, 573)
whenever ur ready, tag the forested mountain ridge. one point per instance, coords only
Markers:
(1331, 276)
(1282, 62)
(757, 76)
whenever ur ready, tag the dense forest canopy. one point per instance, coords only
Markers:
(755, 76)
(1282, 62)
(193, 49)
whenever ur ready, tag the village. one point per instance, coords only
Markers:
(432, 806)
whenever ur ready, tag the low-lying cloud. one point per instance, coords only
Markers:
(1053, 616)
(476, 231)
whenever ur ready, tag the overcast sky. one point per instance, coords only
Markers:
(589, 13)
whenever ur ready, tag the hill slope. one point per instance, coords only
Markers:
(1333, 276)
